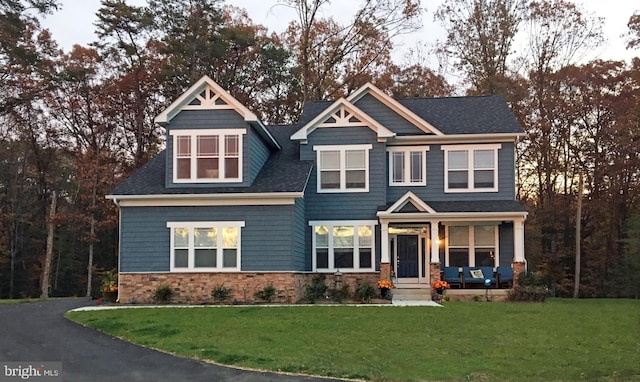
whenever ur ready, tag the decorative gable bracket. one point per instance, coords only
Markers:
(343, 113)
(206, 94)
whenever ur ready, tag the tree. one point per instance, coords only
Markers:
(335, 59)
(132, 65)
(24, 52)
(480, 36)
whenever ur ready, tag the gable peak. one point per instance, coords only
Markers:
(205, 94)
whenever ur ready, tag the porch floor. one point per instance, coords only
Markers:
(426, 294)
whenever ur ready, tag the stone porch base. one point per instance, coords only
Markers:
(195, 288)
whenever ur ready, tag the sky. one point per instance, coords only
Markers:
(73, 24)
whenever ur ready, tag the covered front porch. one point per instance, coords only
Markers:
(421, 242)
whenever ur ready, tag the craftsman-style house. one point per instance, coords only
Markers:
(370, 186)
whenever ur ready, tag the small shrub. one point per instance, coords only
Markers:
(365, 292)
(163, 293)
(317, 289)
(220, 293)
(531, 288)
(266, 294)
(339, 295)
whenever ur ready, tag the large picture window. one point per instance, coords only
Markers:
(207, 155)
(473, 246)
(343, 168)
(407, 166)
(347, 246)
(471, 168)
(205, 246)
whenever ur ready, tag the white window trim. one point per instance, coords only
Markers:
(219, 252)
(356, 247)
(472, 247)
(407, 150)
(193, 134)
(343, 177)
(470, 167)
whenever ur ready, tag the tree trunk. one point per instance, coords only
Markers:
(48, 257)
(576, 287)
(92, 235)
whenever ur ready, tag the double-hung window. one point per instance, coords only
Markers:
(207, 155)
(343, 245)
(471, 168)
(407, 166)
(343, 168)
(205, 246)
(472, 246)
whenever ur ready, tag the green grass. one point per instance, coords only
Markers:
(19, 301)
(560, 340)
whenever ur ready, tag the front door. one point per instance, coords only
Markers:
(409, 255)
(407, 258)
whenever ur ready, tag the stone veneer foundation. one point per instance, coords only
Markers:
(195, 288)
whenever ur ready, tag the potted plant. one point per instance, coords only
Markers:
(385, 286)
(109, 286)
(440, 287)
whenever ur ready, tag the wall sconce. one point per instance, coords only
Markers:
(337, 280)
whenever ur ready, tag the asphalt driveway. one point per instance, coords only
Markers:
(38, 332)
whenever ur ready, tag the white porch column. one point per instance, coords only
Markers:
(384, 241)
(435, 254)
(518, 241)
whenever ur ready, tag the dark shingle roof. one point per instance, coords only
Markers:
(466, 115)
(451, 115)
(469, 206)
(283, 172)
(478, 206)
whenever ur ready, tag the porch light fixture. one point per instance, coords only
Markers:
(337, 279)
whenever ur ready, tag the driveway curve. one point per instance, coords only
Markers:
(38, 332)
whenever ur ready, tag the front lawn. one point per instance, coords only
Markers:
(560, 340)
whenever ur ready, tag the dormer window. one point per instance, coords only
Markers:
(207, 156)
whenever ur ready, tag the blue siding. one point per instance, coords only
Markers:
(506, 243)
(347, 205)
(434, 190)
(301, 258)
(387, 117)
(258, 155)
(268, 239)
(254, 149)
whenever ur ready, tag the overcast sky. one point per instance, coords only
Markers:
(74, 23)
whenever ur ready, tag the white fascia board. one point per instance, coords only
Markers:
(451, 216)
(253, 199)
(459, 138)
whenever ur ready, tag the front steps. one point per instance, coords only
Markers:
(412, 296)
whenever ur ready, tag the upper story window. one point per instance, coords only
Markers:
(343, 168)
(205, 246)
(408, 166)
(471, 168)
(207, 155)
